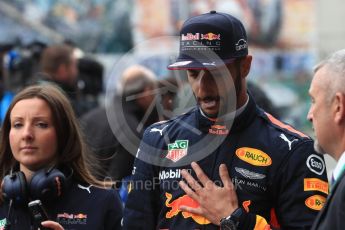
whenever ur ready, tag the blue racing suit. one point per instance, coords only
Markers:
(280, 180)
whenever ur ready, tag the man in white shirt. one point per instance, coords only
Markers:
(327, 113)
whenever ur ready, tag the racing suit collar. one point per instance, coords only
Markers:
(243, 118)
(229, 115)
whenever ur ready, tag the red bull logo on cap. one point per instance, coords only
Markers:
(198, 36)
(183, 201)
(190, 37)
(210, 36)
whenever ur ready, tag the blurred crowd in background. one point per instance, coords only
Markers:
(107, 40)
(109, 32)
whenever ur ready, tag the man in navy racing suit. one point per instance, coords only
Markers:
(275, 178)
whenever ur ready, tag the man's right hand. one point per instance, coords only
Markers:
(215, 202)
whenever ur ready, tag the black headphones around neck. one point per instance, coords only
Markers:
(46, 185)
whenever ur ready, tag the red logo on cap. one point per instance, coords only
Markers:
(190, 37)
(210, 36)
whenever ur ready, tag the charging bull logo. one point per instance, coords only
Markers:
(210, 36)
(183, 201)
(246, 204)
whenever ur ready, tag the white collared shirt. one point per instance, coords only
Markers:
(339, 167)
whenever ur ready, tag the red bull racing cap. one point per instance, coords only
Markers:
(210, 40)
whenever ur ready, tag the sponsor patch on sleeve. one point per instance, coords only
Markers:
(315, 202)
(316, 164)
(315, 184)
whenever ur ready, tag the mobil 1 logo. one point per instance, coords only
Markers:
(316, 164)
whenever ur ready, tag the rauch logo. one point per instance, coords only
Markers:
(253, 156)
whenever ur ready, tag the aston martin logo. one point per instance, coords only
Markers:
(250, 175)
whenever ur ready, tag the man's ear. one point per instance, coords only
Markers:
(246, 63)
(339, 107)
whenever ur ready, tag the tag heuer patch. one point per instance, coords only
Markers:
(177, 150)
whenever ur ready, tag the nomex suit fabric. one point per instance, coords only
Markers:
(269, 163)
